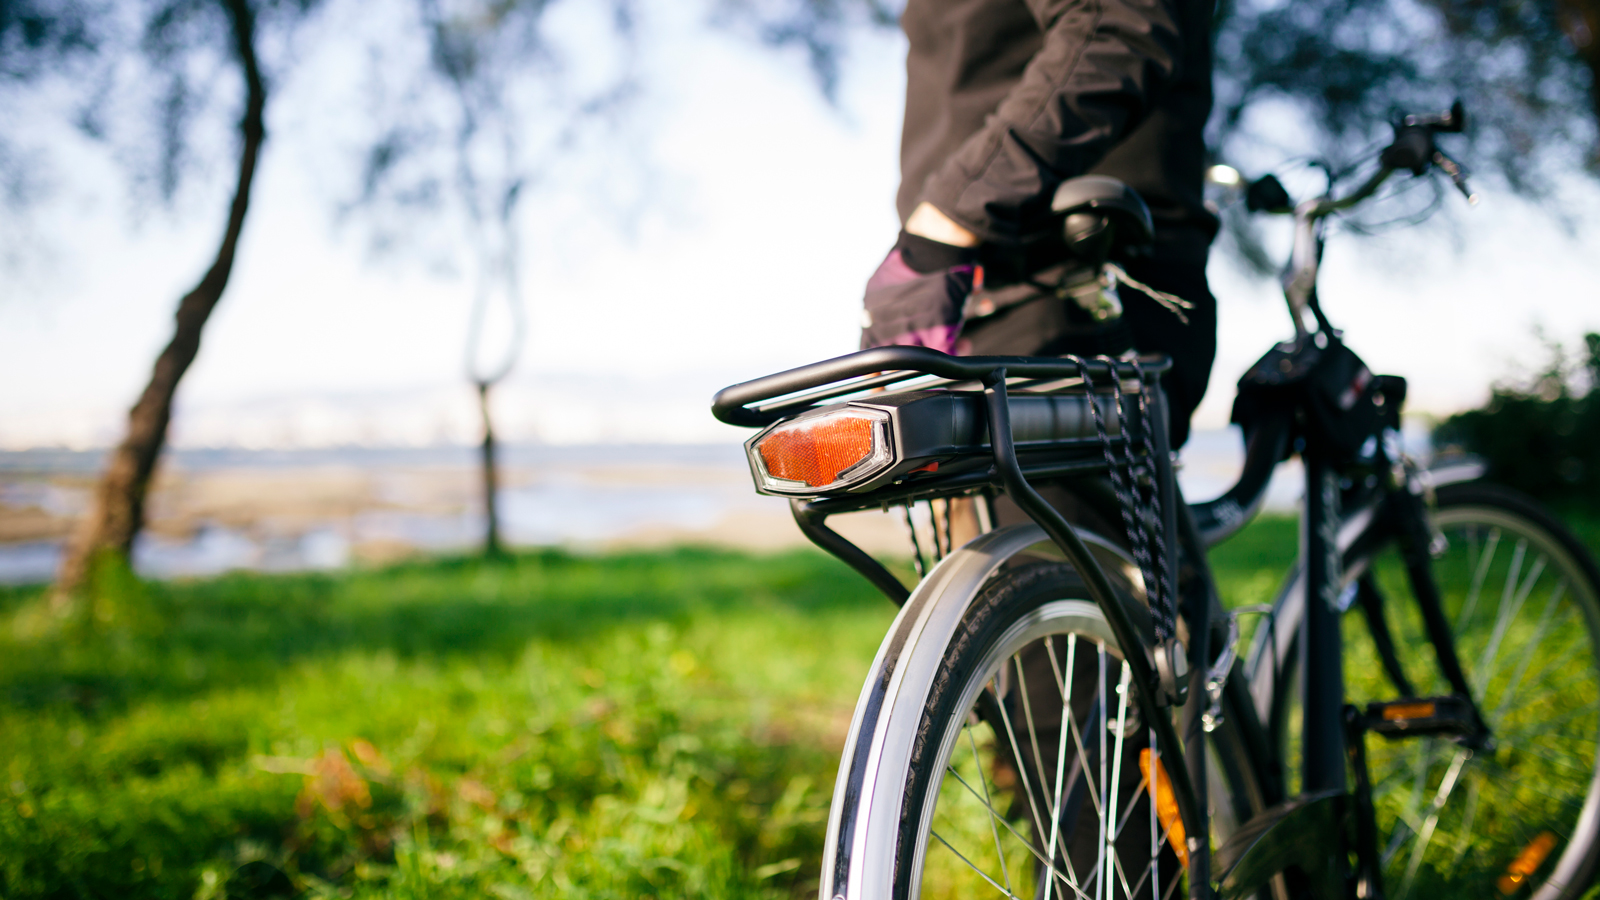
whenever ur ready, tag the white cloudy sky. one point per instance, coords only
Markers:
(768, 211)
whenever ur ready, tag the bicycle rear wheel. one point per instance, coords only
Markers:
(1029, 741)
(1028, 772)
(1523, 599)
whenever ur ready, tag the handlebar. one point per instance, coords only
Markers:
(1413, 149)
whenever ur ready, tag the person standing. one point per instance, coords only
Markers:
(1007, 99)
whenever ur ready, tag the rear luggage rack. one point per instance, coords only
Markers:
(758, 403)
(897, 425)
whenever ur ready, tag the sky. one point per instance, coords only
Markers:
(761, 211)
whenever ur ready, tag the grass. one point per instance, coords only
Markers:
(661, 724)
(631, 725)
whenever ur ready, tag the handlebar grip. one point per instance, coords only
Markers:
(1412, 149)
(1267, 194)
(1413, 146)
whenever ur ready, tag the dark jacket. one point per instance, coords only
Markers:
(1006, 99)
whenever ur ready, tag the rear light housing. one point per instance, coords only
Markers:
(859, 446)
(823, 452)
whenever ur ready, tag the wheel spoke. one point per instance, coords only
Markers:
(999, 851)
(1109, 820)
(981, 873)
(1033, 731)
(1402, 831)
(1155, 820)
(1122, 876)
(1504, 616)
(1446, 787)
(1053, 798)
(1092, 720)
(1100, 694)
(1559, 661)
(1539, 630)
(1133, 804)
(1068, 878)
(1171, 886)
(1061, 733)
(1480, 573)
(1027, 788)
(1465, 841)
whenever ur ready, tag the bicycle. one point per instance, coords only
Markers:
(1057, 712)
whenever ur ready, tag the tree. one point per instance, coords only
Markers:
(477, 58)
(173, 38)
(493, 115)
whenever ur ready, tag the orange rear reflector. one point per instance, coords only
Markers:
(1527, 863)
(814, 451)
(1402, 711)
(1166, 806)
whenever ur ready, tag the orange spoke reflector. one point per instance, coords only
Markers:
(1166, 806)
(1527, 862)
(1403, 711)
(814, 451)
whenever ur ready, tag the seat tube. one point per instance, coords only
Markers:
(1322, 746)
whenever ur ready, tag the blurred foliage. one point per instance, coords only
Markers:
(820, 28)
(1525, 70)
(1540, 435)
(477, 106)
(141, 78)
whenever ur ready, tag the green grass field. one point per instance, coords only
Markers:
(632, 725)
(629, 725)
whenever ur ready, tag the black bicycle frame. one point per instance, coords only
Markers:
(1400, 515)
(1321, 647)
(1188, 781)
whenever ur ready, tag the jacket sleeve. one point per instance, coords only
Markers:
(1102, 67)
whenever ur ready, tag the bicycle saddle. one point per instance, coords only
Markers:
(1101, 214)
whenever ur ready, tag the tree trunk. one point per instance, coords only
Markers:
(491, 478)
(117, 514)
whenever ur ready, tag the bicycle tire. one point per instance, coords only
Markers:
(969, 831)
(1520, 820)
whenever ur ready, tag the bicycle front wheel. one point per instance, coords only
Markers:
(1519, 819)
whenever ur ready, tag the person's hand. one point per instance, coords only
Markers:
(917, 294)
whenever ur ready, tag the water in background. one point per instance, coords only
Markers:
(216, 510)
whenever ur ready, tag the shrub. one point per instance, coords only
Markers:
(1540, 435)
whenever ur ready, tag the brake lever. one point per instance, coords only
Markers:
(1458, 175)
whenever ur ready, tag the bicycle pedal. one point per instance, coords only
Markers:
(1411, 716)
